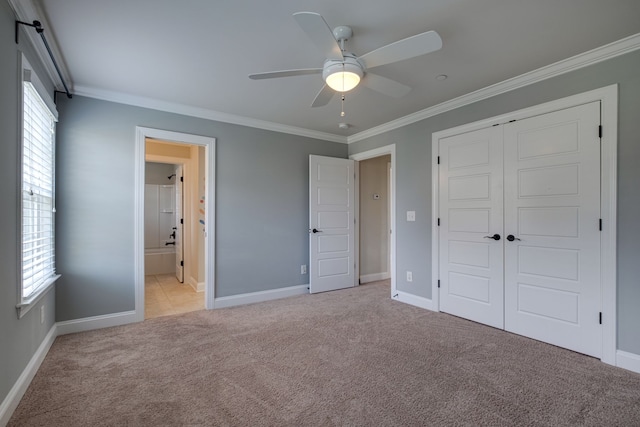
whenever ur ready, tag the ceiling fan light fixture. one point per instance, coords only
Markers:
(342, 76)
(343, 81)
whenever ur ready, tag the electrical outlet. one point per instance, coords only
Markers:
(303, 269)
(41, 314)
(409, 276)
(411, 215)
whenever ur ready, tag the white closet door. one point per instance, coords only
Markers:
(552, 209)
(471, 213)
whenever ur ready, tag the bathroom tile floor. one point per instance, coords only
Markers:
(164, 295)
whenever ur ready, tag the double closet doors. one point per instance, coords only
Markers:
(519, 243)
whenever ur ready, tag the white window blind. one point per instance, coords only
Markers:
(38, 258)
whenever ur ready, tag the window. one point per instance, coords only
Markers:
(38, 190)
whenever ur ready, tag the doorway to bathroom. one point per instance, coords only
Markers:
(175, 197)
(169, 251)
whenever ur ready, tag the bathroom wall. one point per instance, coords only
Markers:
(158, 173)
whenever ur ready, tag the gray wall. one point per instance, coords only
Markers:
(157, 173)
(261, 204)
(19, 338)
(413, 172)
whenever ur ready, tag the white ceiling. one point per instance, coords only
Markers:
(198, 53)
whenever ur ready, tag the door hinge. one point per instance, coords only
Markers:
(600, 131)
(438, 283)
(600, 318)
(438, 222)
(181, 263)
(438, 159)
(600, 224)
(181, 221)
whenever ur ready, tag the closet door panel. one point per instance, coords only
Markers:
(471, 269)
(552, 209)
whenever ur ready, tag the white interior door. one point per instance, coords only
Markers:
(331, 224)
(552, 210)
(471, 221)
(179, 225)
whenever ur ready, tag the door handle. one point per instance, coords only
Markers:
(315, 230)
(511, 238)
(494, 237)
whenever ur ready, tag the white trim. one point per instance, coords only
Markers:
(366, 278)
(628, 361)
(261, 296)
(608, 96)
(181, 138)
(11, 401)
(197, 286)
(414, 300)
(369, 154)
(28, 303)
(96, 322)
(603, 53)
(29, 11)
(204, 113)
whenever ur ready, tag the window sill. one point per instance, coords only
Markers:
(28, 303)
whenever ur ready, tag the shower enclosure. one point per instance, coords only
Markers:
(160, 220)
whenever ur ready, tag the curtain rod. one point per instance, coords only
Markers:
(38, 26)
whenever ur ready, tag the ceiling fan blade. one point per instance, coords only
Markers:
(323, 97)
(386, 86)
(413, 46)
(285, 73)
(319, 32)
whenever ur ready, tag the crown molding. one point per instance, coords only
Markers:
(603, 53)
(29, 11)
(204, 113)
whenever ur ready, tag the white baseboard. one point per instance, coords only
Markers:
(629, 361)
(197, 286)
(12, 400)
(406, 298)
(366, 278)
(96, 322)
(261, 296)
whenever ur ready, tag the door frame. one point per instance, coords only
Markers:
(608, 96)
(370, 154)
(142, 133)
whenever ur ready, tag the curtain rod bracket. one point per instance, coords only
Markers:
(38, 26)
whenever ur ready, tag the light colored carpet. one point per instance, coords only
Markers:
(351, 357)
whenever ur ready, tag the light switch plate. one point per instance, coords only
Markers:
(411, 215)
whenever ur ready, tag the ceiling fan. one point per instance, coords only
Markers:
(342, 70)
